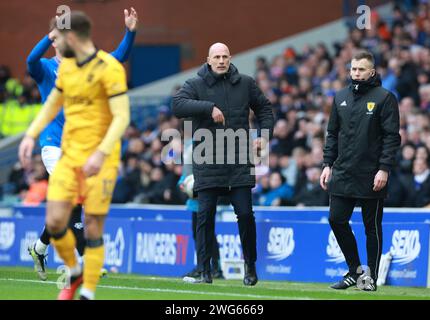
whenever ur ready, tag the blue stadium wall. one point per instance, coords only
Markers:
(293, 244)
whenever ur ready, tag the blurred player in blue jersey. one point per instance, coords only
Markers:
(44, 72)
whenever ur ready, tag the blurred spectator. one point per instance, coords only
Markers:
(154, 192)
(128, 182)
(422, 153)
(29, 185)
(288, 168)
(396, 192)
(417, 185)
(19, 103)
(279, 193)
(38, 185)
(424, 95)
(261, 65)
(407, 82)
(162, 187)
(311, 193)
(300, 156)
(131, 132)
(389, 76)
(261, 187)
(17, 180)
(407, 155)
(282, 141)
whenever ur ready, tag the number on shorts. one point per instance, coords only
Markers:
(108, 186)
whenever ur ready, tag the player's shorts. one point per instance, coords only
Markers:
(68, 184)
(50, 157)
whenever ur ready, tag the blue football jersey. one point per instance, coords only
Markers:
(44, 72)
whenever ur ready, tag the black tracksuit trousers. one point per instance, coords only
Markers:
(341, 209)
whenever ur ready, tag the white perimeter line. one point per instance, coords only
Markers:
(255, 296)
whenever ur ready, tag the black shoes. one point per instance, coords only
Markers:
(349, 280)
(217, 274)
(193, 273)
(250, 278)
(202, 277)
(206, 277)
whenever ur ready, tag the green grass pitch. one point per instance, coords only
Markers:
(20, 283)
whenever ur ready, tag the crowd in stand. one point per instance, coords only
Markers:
(19, 103)
(301, 86)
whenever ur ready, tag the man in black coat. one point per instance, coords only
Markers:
(218, 101)
(362, 141)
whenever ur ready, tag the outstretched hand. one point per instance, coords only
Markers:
(131, 19)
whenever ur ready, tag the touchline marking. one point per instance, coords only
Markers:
(255, 296)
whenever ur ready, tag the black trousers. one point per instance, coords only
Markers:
(241, 200)
(341, 209)
(215, 261)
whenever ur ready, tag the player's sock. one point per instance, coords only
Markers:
(43, 242)
(76, 270)
(87, 294)
(45, 236)
(93, 263)
(65, 243)
(40, 247)
(75, 224)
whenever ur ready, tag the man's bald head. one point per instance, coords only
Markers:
(217, 47)
(219, 58)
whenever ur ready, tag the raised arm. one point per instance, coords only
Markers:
(123, 51)
(34, 64)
